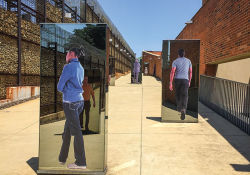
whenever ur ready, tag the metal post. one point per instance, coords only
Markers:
(93, 15)
(90, 62)
(56, 77)
(111, 44)
(63, 7)
(85, 11)
(45, 8)
(19, 41)
(76, 14)
(83, 63)
(98, 62)
(8, 5)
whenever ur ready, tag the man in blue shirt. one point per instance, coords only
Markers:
(70, 84)
(182, 74)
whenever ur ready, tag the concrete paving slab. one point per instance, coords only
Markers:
(127, 122)
(124, 154)
(189, 154)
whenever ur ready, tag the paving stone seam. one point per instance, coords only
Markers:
(18, 131)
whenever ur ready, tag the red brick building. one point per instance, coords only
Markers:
(223, 27)
(152, 60)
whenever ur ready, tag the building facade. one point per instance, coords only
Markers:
(223, 28)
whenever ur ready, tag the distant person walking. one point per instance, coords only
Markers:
(182, 74)
(70, 84)
(136, 70)
(110, 72)
(87, 91)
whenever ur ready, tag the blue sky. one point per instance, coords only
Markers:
(145, 23)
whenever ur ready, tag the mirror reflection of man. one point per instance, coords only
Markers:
(87, 91)
(182, 74)
(110, 72)
(136, 70)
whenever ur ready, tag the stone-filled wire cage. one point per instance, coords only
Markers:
(20, 35)
(55, 43)
(20, 39)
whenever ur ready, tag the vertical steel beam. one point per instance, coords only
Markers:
(19, 40)
(55, 77)
(111, 44)
(93, 14)
(90, 62)
(45, 11)
(85, 11)
(8, 5)
(63, 8)
(76, 14)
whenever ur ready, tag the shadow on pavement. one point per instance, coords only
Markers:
(33, 163)
(157, 79)
(158, 119)
(173, 107)
(236, 137)
(89, 132)
(243, 168)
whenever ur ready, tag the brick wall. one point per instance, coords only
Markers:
(158, 69)
(223, 28)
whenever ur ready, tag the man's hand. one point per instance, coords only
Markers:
(170, 86)
(94, 105)
(189, 84)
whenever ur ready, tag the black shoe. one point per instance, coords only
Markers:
(183, 114)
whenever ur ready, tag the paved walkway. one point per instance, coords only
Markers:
(138, 143)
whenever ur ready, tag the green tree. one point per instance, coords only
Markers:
(93, 34)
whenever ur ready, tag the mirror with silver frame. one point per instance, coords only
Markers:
(56, 41)
(180, 101)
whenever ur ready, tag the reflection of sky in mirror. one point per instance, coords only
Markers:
(70, 27)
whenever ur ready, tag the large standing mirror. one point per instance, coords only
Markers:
(136, 71)
(56, 42)
(181, 103)
(112, 71)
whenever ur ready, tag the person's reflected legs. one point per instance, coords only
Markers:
(66, 137)
(81, 116)
(137, 73)
(72, 127)
(79, 144)
(177, 94)
(87, 109)
(184, 97)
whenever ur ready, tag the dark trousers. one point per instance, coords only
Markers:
(181, 93)
(87, 109)
(72, 127)
(136, 76)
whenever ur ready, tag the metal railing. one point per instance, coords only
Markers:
(228, 98)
